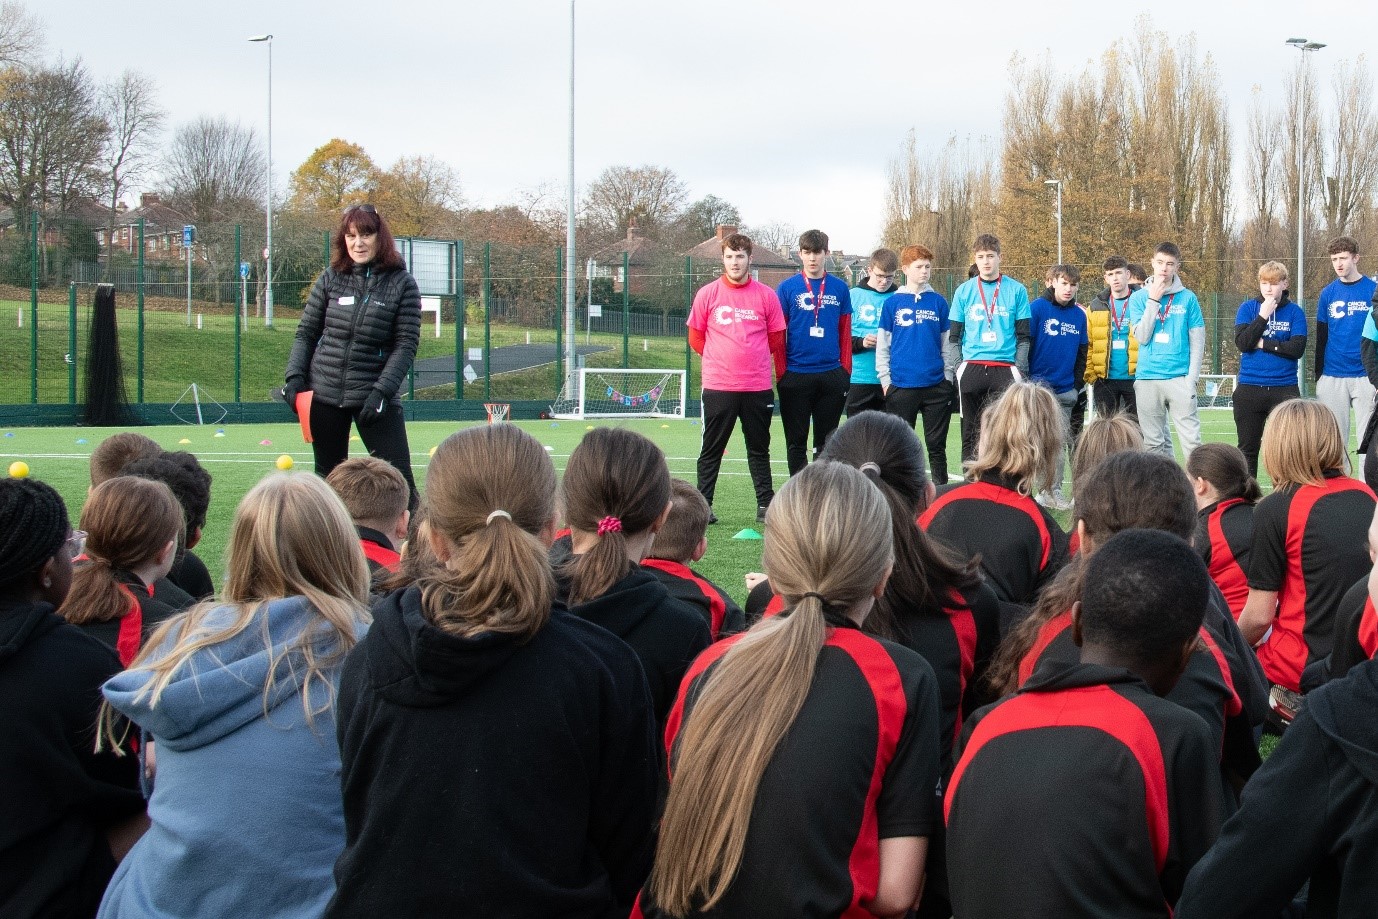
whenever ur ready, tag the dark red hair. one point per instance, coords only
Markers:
(365, 220)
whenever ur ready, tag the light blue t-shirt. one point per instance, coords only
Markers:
(989, 310)
(1167, 353)
(866, 305)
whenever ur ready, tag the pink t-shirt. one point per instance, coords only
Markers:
(736, 323)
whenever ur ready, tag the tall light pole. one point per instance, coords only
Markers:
(1303, 46)
(1058, 183)
(571, 349)
(268, 209)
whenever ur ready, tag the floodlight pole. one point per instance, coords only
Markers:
(268, 209)
(571, 329)
(1058, 183)
(1302, 45)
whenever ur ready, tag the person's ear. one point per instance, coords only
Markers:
(193, 538)
(399, 529)
(884, 581)
(664, 516)
(1076, 623)
(547, 533)
(1082, 542)
(165, 557)
(441, 547)
(699, 550)
(930, 491)
(1199, 485)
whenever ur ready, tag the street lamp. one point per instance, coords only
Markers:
(571, 343)
(1303, 46)
(268, 210)
(1058, 183)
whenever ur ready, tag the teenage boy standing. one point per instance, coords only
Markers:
(818, 351)
(988, 339)
(737, 327)
(1057, 356)
(909, 357)
(1167, 321)
(1341, 309)
(867, 299)
(1114, 351)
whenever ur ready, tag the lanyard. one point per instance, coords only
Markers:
(1167, 306)
(994, 299)
(818, 300)
(1118, 318)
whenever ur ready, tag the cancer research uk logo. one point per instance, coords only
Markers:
(728, 314)
(1055, 327)
(1342, 308)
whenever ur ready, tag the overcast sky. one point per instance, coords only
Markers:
(791, 111)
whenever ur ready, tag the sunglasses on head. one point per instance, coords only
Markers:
(362, 208)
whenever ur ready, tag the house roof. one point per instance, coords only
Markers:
(639, 249)
(710, 250)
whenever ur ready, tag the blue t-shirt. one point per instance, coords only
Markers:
(866, 304)
(917, 327)
(988, 333)
(1263, 368)
(1118, 366)
(1343, 309)
(1056, 334)
(1167, 353)
(813, 324)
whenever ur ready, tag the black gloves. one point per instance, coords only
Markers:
(373, 409)
(289, 395)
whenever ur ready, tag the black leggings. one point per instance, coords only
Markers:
(1251, 406)
(385, 438)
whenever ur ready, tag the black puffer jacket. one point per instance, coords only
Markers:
(358, 333)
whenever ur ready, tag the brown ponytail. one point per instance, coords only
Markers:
(1224, 466)
(616, 484)
(489, 491)
(128, 521)
(827, 541)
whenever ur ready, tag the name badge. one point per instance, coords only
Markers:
(989, 338)
(1162, 338)
(816, 331)
(346, 301)
(1119, 344)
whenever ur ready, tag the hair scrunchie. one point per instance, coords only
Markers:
(496, 514)
(817, 596)
(870, 470)
(609, 525)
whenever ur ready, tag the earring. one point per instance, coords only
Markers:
(47, 582)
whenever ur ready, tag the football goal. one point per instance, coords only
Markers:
(1215, 390)
(613, 393)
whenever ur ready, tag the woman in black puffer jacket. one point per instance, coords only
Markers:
(355, 344)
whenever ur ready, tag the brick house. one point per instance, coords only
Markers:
(767, 266)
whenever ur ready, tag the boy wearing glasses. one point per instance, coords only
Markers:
(867, 299)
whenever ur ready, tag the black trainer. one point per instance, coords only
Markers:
(760, 514)
(712, 517)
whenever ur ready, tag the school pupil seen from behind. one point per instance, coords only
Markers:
(988, 338)
(1270, 332)
(132, 526)
(737, 327)
(1308, 548)
(818, 351)
(1113, 355)
(1057, 358)
(1086, 794)
(376, 496)
(1222, 683)
(865, 390)
(355, 343)
(1226, 493)
(683, 539)
(1356, 622)
(1342, 312)
(239, 697)
(994, 516)
(551, 813)
(616, 496)
(191, 486)
(932, 603)
(1105, 436)
(803, 699)
(68, 813)
(909, 357)
(1311, 812)
(114, 453)
(1166, 319)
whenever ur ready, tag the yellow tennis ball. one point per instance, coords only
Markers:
(284, 462)
(19, 469)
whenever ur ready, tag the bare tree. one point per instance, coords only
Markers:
(777, 235)
(1265, 149)
(214, 170)
(422, 196)
(135, 119)
(938, 197)
(650, 195)
(1352, 154)
(21, 34)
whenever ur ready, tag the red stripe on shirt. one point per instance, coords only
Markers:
(964, 627)
(381, 555)
(1047, 634)
(131, 635)
(717, 609)
(1233, 706)
(1098, 707)
(708, 658)
(1225, 570)
(1368, 629)
(989, 491)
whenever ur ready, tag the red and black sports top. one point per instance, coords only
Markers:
(1083, 795)
(1020, 544)
(1356, 632)
(1224, 532)
(1310, 546)
(859, 764)
(724, 616)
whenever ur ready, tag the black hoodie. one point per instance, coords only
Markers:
(489, 776)
(59, 796)
(666, 633)
(1310, 811)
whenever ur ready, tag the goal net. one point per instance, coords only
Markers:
(1215, 390)
(612, 393)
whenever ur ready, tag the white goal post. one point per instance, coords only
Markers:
(611, 392)
(1215, 390)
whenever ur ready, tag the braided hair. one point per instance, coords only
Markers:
(33, 527)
